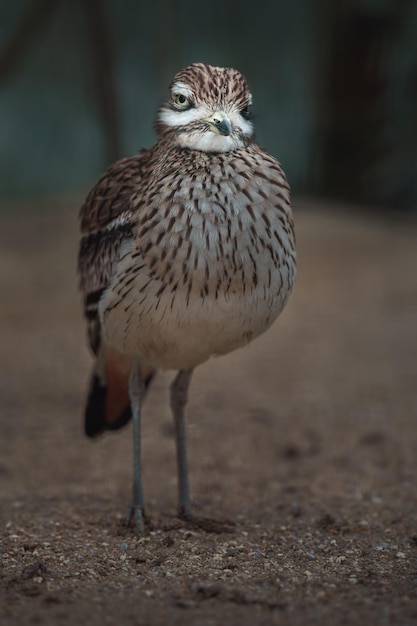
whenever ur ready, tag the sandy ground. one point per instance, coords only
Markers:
(307, 440)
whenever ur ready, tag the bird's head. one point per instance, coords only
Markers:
(208, 109)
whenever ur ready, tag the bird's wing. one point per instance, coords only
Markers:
(107, 220)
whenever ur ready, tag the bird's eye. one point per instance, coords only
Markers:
(245, 113)
(181, 102)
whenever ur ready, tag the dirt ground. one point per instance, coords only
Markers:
(307, 440)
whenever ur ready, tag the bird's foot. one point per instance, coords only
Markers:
(137, 520)
(208, 524)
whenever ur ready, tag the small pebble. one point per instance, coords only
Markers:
(185, 604)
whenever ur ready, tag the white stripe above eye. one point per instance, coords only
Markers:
(183, 89)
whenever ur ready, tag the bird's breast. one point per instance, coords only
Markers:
(211, 266)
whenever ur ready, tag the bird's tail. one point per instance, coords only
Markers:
(108, 402)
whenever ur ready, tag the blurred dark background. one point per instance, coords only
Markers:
(334, 84)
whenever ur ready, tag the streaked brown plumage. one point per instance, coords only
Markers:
(187, 252)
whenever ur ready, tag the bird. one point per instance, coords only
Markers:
(187, 252)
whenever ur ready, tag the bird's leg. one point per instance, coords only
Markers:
(179, 395)
(136, 393)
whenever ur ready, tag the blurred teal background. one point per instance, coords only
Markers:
(334, 84)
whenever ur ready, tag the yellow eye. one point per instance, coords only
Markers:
(181, 101)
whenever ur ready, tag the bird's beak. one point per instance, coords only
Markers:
(219, 123)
